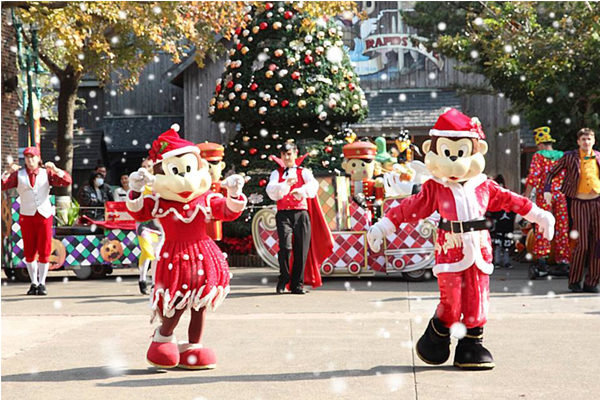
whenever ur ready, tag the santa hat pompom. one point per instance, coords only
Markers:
(175, 127)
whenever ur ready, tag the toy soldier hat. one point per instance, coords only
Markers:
(31, 151)
(169, 144)
(453, 123)
(211, 151)
(361, 150)
(542, 135)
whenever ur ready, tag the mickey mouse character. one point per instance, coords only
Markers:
(462, 195)
(192, 272)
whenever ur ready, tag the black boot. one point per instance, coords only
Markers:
(143, 287)
(470, 353)
(434, 346)
(41, 290)
(32, 290)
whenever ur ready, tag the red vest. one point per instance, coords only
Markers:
(289, 202)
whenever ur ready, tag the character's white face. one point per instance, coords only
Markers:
(453, 160)
(215, 168)
(32, 161)
(184, 178)
(359, 169)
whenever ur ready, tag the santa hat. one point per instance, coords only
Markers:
(169, 144)
(453, 123)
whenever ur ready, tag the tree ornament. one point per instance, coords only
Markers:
(311, 90)
(272, 67)
(328, 149)
(219, 105)
(213, 101)
(236, 108)
(355, 107)
(325, 163)
(332, 32)
(327, 43)
(351, 86)
(230, 84)
(299, 92)
(262, 183)
(238, 30)
(335, 69)
(262, 110)
(211, 109)
(237, 87)
(231, 52)
(295, 75)
(284, 103)
(277, 25)
(308, 59)
(239, 46)
(245, 50)
(218, 88)
(253, 151)
(288, 15)
(349, 75)
(244, 96)
(320, 35)
(231, 96)
(269, 15)
(291, 61)
(245, 138)
(318, 64)
(319, 50)
(280, 10)
(246, 32)
(269, 74)
(275, 136)
(332, 103)
(342, 86)
(245, 163)
(269, 6)
(263, 26)
(302, 104)
(253, 87)
(278, 53)
(266, 96)
(308, 39)
(226, 104)
(322, 115)
(255, 29)
(252, 103)
(238, 75)
(283, 73)
(288, 27)
(278, 87)
(273, 103)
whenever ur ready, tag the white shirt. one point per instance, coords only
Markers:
(278, 190)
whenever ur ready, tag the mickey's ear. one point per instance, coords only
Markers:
(426, 146)
(483, 147)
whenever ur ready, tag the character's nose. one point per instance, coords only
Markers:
(453, 158)
(182, 174)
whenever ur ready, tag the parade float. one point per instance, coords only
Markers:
(88, 250)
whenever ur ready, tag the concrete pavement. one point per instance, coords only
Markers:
(350, 339)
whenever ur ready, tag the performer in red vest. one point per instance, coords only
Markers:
(214, 153)
(299, 220)
(33, 185)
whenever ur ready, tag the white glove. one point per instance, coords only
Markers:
(544, 220)
(378, 232)
(234, 185)
(139, 179)
(548, 197)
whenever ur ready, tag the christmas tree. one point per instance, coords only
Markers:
(288, 78)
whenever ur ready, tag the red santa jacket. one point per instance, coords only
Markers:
(460, 202)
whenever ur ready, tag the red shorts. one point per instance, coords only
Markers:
(37, 237)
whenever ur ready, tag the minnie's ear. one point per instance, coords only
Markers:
(203, 163)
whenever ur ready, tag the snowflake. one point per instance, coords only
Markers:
(515, 119)
(458, 330)
(441, 26)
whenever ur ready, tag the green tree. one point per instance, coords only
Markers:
(542, 55)
(288, 78)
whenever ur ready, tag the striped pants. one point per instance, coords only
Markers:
(586, 221)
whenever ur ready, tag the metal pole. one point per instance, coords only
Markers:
(29, 71)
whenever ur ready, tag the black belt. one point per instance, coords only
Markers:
(465, 226)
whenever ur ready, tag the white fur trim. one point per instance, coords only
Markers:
(534, 215)
(185, 346)
(192, 299)
(134, 205)
(157, 213)
(237, 205)
(387, 226)
(158, 338)
(469, 134)
(179, 151)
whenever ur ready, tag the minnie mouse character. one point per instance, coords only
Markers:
(462, 195)
(192, 272)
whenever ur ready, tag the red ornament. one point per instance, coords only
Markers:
(295, 75)
(288, 15)
(253, 87)
(239, 46)
(351, 86)
(262, 183)
(218, 88)
(238, 31)
(328, 149)
(268, 6)
(253, 151)
(229, 84)
(263, 26)
(308, 59)
(272, 67)
(284, 103)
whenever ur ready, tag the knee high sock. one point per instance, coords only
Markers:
(196, 325)
(153, 264)
(144, 271)
(32, 268)
(43, 272)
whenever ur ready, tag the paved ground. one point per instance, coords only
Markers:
(351, 339)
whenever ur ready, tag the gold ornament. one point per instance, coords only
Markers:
(273, 103)
(213, 101)
(245, 50)
(220, 105)
(245, 163)
(291, 61)
(342, 86)
(355, 107)
(319, 50)
(246, 138)
(252, 103)
(255, 30)
(244, 96)
(349, 75)
(269, 74)
(278, 87)
(302, 103)
(311, 90)
(277, 25)
(335, 69)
